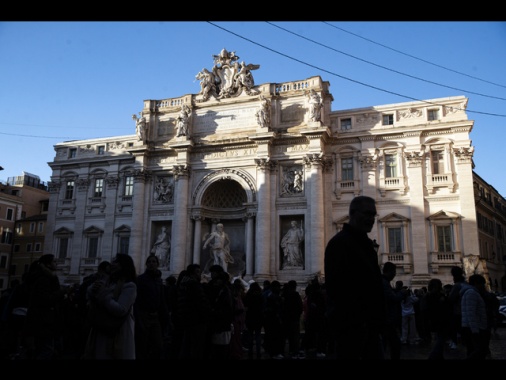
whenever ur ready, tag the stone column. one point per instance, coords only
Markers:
(249, 245)
(196, 239)
(369, 166)
(314, 228)
(111, 197)
(78, 242)
(137, 235)
(420, 259)
(463, 164)
(179, 259)
(264, 259)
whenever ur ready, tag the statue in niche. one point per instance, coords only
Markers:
(290, 243)
(140, 126)
(219, 243)
(161, 247)
(182, 121)
(315, 106)
(263, 114)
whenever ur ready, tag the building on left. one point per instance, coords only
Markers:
(24, 202)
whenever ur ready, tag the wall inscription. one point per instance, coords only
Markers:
(212, 121)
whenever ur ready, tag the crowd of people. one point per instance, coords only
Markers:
(191, 316)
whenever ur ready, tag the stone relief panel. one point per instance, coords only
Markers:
(291, 180)
(164, 190)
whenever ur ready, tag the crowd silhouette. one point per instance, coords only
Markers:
(190, 316)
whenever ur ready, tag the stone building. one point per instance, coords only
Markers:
(265, 161)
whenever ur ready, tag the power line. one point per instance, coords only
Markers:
(49, 126)
(383, 67)
(341, 76)
(417, 58)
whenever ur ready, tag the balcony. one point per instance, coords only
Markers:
(63, 265)
(444, 259)
(400, 259)
(392, 183)
(348, 186)
(440, 180)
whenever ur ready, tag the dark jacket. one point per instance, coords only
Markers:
(353, 280)
(46, 295)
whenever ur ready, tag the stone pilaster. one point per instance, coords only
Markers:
(265, 261)
(182, 255)
(137, 237)
(419, 257)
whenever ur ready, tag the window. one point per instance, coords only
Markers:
(390, 165)
(69, 190)
(347, 169)
(394, 240)
(37, 247)
(63, 248)
(92, 247)
(72, 152)
(18, 228)
(6, 237)
(16, 247)
(100, 149)
(32, 227)
(433, 114)
(437, 162)
(123, 243)
(10, 214)
(129, 185)
(345, 124)
(3, 261)
(99, 187)
(41, 226)
(388, 119)
(29, 247)
(444, 239)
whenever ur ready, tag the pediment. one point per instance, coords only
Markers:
(444, 215)
(394, 217)
(93, 229)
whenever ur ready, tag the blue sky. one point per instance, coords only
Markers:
(76, 80)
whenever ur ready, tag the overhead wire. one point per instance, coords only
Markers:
(342, 76)
(383, 67)
(332, 73)
(414, 57)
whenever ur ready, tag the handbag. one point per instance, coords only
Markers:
(100, 319)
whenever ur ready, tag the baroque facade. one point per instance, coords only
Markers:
(261, 159)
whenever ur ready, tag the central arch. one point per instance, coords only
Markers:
(224, 196)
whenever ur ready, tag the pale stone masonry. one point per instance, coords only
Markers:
(238, 167)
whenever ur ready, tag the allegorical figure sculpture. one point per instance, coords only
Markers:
(140, 126)
(292, 254)
(207, 83)
(228, 78)
(161, 247)
(164, 191)
(315, 106)
(263, 114)
(182, 121)
(219, 243)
